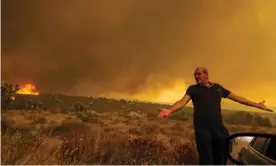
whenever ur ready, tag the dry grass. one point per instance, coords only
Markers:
(81, 138)
(50, 137)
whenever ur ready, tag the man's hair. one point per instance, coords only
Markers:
(204, 70)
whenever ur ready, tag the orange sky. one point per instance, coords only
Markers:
(144, 49)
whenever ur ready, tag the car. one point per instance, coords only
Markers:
(260, 150)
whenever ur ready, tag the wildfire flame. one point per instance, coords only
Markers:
(28, 89)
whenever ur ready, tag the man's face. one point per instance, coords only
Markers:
(200, 76)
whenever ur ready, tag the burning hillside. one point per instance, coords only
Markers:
(28, 89)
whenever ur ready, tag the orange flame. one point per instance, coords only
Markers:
(28, 89)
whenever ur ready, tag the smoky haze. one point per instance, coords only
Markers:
(93, 47)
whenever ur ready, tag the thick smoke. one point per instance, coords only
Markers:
(93, 47)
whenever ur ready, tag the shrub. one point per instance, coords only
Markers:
(61, 129)
(239, 118)
(85, 119)
(68, 127)
(108, 129)
(185, 154)
(135, 131)
(263, 121)
(246, 118)
(180, 117)
(177, 127)
(8, 92)
(147, 149)
(40, 120)
(6, 125)
(148, 128)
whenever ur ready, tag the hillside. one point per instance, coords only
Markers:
(64, 103)
(87, 130)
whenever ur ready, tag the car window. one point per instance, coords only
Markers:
(252, 141)
(259, 144)
(271, 149)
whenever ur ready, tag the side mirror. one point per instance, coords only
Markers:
(239, 145)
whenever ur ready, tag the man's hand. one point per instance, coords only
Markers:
(263, 107)
(164, 112)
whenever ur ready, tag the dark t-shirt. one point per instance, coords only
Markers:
(207, 103)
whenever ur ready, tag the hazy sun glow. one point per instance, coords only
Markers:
(178, 89)
(173, 94)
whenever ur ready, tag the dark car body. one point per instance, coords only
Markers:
(260, 151)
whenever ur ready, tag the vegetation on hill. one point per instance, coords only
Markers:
(58, 129)
(247, 118)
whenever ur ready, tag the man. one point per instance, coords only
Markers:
(210, 133)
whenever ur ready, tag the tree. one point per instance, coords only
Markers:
(56, 100)
(8, 92)
(80, 107)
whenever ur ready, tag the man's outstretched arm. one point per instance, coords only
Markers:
(179, 104)
(184, 101)
(164, 112)
(247, 102)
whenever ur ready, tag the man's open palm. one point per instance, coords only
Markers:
(164, 112)
(263, 107)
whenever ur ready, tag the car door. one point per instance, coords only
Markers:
(254, 153)
(270, 151)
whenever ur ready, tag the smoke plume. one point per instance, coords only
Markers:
(95, 47)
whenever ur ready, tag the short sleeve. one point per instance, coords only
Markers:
(190, 91)
(224, 92)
